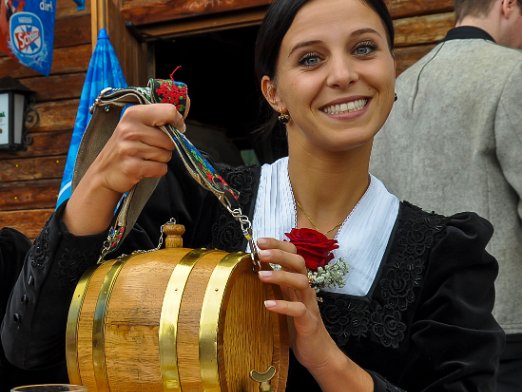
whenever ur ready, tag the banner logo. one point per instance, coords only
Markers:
(26, 34)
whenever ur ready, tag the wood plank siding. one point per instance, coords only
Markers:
(30, 179)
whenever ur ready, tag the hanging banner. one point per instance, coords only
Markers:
(27, 32)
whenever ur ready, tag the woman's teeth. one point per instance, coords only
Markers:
(346, 107)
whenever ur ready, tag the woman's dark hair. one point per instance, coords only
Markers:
(277, 21)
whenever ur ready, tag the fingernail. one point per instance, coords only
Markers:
(265, 274)
(270, 303)
(262, 241)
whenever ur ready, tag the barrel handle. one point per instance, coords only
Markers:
(263, 378)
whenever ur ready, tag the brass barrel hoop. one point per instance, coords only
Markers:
(210, 312)
(99, 358)
(170, 310)
(73, 322)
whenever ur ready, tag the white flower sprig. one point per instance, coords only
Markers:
(332, 275)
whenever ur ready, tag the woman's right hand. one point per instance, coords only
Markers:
(137, 149)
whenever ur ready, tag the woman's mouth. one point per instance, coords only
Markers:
(343, 108)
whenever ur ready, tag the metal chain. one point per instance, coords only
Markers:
(246, 228)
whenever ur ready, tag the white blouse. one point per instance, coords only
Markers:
(363, 236)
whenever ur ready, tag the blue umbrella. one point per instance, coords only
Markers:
(80, 4)
(104, 71)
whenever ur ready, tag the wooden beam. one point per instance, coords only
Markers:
(404, 8)
(56, 87)
(424, 29)
(72, 30)
(407, 56)
(31, 168)
(56, 115)
(201, 25)
(140, 12)
(29, 222)
(43, 144)
(20, 195)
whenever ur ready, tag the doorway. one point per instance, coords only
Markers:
(226, 104)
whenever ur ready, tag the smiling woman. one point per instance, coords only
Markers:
(413, 312)
(340, 75)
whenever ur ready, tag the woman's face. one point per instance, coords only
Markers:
(335, 75)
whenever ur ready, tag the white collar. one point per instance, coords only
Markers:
(362, 238)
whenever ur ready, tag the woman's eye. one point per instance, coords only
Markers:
(310, 59)
(365, 48)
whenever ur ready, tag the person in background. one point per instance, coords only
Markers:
(453, 142)
(412, 313)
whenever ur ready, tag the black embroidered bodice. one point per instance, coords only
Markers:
(226, 232)
(380, 315)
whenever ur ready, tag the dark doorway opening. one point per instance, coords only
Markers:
(218, 68)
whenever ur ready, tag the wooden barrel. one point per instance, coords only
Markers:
(175, 319)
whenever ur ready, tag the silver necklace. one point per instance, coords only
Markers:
(341, 226)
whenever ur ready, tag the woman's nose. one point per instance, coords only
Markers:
(341, 72)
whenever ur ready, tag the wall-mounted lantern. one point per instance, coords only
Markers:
(14, 104)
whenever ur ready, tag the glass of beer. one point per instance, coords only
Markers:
(50, 388)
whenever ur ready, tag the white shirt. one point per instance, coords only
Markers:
(363, 236)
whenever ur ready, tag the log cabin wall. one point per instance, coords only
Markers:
(30, 180)
(419, 25)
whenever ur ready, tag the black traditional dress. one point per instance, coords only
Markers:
(425, 323)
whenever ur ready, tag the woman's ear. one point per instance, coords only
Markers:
(269, 90)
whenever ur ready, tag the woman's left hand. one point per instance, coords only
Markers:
(310, 341)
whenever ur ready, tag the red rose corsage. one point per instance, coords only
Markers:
(316, 249)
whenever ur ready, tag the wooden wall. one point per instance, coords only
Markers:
(30, 180)
(419, 25)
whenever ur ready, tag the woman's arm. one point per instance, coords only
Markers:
(33, 330)
(137, 149)
(455, 340)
